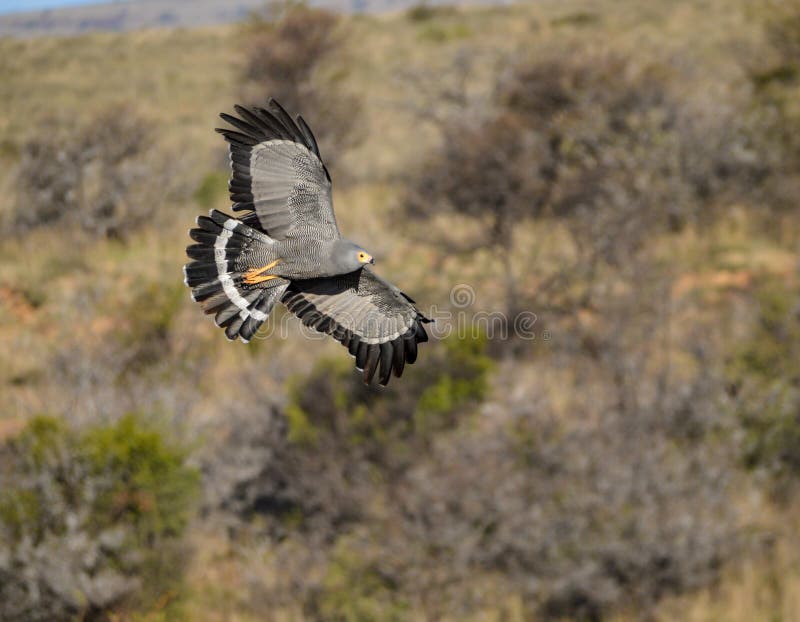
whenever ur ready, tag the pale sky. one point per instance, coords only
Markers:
(14, 6)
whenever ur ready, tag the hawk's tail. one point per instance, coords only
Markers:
(217, 274)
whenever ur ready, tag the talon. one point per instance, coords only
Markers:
(254, 280)
(255, 276)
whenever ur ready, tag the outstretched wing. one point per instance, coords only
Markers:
(378, 324)
(278, 174)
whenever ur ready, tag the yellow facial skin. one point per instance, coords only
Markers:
(365, 258)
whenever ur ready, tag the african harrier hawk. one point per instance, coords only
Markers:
(286, 246)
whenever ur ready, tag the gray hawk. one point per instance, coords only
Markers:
(285, 246)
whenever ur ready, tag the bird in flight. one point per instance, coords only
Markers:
(285, 246)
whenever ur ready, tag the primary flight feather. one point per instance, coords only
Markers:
(286, 246)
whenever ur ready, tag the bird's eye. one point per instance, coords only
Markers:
(361, 256)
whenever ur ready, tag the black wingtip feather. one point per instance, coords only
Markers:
(422, 335)
(232, 329)
(207, 224)
(249, 328)
(252, 118)
(202, 237)
(199, 272)
(411, 350)
(248, 129)
(275, 126)
(203, 292)
(361, 355)
(386, 358)
(399, 361)
(373, 355)
(283, 117)
(311, 141)
(268, 122)
(237, 138)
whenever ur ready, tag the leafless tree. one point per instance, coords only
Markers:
(103, 175)
(286, 46)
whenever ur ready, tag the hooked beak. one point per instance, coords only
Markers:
(371, 259)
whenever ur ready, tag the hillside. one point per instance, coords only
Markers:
(126, 15)
(596, 203)
(122, 16)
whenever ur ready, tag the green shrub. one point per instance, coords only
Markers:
(581, 18)
(356, 589)
(443, 33)
(301, 432)
(771, 353)
(149, 486)
(765, 375)
(212, 188)
(780, 74)
(151, 315)
(323, 456)
(90, 518)
(423, 11)
(464, 379)
(333, 400)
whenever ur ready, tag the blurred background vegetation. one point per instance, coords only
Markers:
(627, 171)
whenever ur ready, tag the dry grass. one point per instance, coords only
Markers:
(763, 589)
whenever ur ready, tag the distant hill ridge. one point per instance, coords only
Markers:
(127, 15)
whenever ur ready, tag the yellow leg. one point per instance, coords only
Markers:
(253, 280)
(256, 275)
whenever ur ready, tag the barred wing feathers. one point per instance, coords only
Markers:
(278, 174)
(373, 319)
